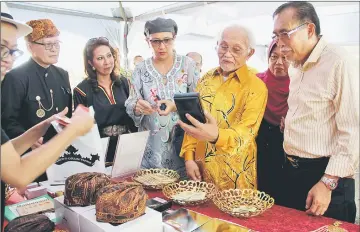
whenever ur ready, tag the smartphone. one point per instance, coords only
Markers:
(189, 103)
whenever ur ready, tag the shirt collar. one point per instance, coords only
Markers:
(241, 74)
(40, 69)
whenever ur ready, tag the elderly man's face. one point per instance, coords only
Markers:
(162, 44)
(45, 51)
(233, 49)
(8, 41)
(292, 35)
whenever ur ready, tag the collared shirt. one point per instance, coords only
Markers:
(238, 105)
(323, 116)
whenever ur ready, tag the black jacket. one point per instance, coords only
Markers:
(22, 86)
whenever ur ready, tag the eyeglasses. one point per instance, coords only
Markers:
(274, 58)
(49, 46)
(235, 51)
(286, 34)
(97, 39)
(15, 53)
(158, 42)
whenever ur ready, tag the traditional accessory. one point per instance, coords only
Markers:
(30, 223)
(41, 111)
(81, 188)
(42, 28)
(115, 130)
(160, 25)
(120, 203)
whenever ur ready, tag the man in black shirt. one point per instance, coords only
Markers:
(20, 171)
(37, 89)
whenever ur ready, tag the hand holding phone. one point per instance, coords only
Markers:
(189, 103)
(195, 122)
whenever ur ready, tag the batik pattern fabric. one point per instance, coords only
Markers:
(81, 189)
(238, 105)
(146, 84)
(120, 203)
(30, 223)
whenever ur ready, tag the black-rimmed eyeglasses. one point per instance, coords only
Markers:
(49, 46)
(158, 42)
(15, 53)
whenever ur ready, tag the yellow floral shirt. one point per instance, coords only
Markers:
(238, 105)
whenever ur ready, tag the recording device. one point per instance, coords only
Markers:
(189, 103)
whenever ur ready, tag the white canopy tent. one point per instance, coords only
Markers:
(199, 23)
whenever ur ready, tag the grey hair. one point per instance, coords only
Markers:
(249, 34)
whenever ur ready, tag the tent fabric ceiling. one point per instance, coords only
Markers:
(101, 8)
(217, 11)
(205, 19)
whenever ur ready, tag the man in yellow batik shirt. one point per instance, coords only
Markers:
(234, 100)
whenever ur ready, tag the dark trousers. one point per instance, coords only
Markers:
(300, 176)
(270, 159)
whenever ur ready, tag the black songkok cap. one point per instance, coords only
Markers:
(160, 25)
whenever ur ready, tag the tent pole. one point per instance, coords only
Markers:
(126, 30)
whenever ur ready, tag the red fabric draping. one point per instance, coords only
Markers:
(276, 219)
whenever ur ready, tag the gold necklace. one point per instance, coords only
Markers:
(41, 111)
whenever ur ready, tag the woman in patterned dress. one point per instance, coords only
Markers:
(154, 82)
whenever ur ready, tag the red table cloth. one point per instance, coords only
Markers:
(277, 218)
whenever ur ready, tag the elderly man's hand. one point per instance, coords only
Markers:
(208, 131)
(192, 170)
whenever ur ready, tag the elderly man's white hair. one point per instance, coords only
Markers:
(248, 33)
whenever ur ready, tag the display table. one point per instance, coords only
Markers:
(277, 218)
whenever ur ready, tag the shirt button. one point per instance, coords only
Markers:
(46, 74)
(57, 109)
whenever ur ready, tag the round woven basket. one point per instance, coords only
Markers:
(189, 186)
(243, 202)
(156, 178)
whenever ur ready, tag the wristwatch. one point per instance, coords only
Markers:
(329, 183)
